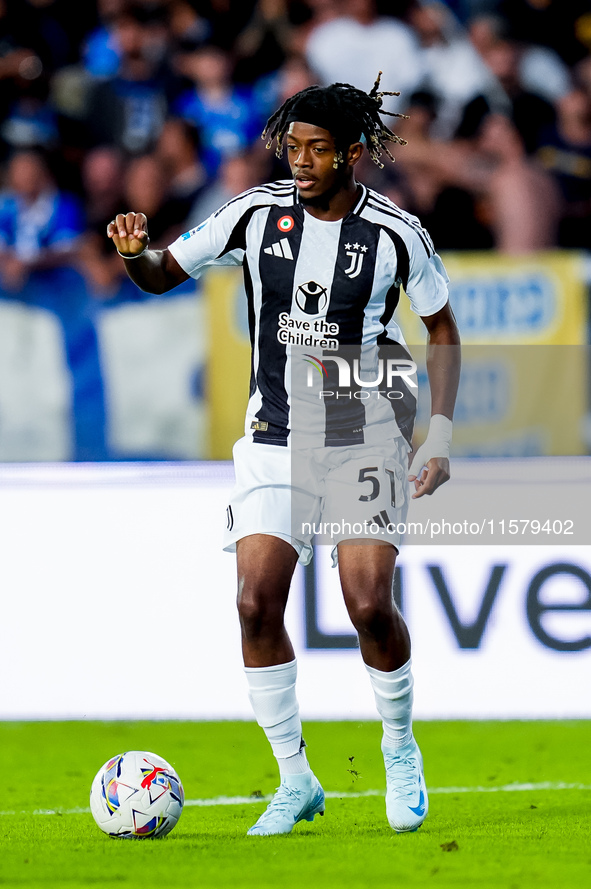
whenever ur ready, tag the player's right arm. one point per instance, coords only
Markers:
(154, 271)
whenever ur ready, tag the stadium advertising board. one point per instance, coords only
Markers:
(89, 378)
(535, 300)
(523, 322)
(120, 603)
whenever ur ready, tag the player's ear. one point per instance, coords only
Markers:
(354, 153)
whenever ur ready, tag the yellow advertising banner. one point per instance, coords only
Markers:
(514, 401)
(523, 323)
(523, 392)
(538, 299)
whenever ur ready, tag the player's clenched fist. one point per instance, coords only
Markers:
(130, 234)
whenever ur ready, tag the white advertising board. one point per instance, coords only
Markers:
(118, 602)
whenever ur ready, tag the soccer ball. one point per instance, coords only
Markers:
(136, 794)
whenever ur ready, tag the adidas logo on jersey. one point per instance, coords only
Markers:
(281, 249)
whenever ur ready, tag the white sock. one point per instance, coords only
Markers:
(272, 694)
(393, 693)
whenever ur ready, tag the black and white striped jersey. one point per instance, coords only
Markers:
(318, 292)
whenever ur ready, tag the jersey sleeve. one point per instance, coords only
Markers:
(219, 241)
(427, 287)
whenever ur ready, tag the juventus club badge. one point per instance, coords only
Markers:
(357, 253)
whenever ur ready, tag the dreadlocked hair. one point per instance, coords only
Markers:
(350, 109)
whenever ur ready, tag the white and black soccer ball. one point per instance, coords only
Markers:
(136, 794)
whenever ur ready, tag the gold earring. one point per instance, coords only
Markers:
(338, 159)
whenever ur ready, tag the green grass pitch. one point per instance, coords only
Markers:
(481, 834)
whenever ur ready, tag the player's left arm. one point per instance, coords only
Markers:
(430, 466)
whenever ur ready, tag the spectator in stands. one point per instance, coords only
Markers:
(48, 28)
(583, 74)
(565, 151)
(514, 200)
(178, 152)
(320, 12)
(17, 59)
(129, 110)
(270, 92)
(225, 117)
(454, 72)
(226, 19)
(146, 184)
(101, 54)
(39, 224)
(429, 185)
(264, 44)
(187, 24)
(31, 121)
(523, 200)
(293, 76)
(27, 118)
(541, 70)
(103, 172)
(237, 174)
(530, 112)
(110, 184)
(354, 46)
(559, 24)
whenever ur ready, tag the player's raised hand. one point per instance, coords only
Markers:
(129, 232)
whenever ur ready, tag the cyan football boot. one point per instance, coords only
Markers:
(407, 803)
(298, 798)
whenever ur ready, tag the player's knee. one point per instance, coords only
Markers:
(370, 614)
(259, 610)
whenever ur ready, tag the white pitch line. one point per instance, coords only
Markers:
(335, 794)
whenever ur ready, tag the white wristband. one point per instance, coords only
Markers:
(132, 255)
(436, 444)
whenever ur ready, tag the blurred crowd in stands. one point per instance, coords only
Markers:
(158, 106)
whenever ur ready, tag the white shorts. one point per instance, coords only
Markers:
(328, 494)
